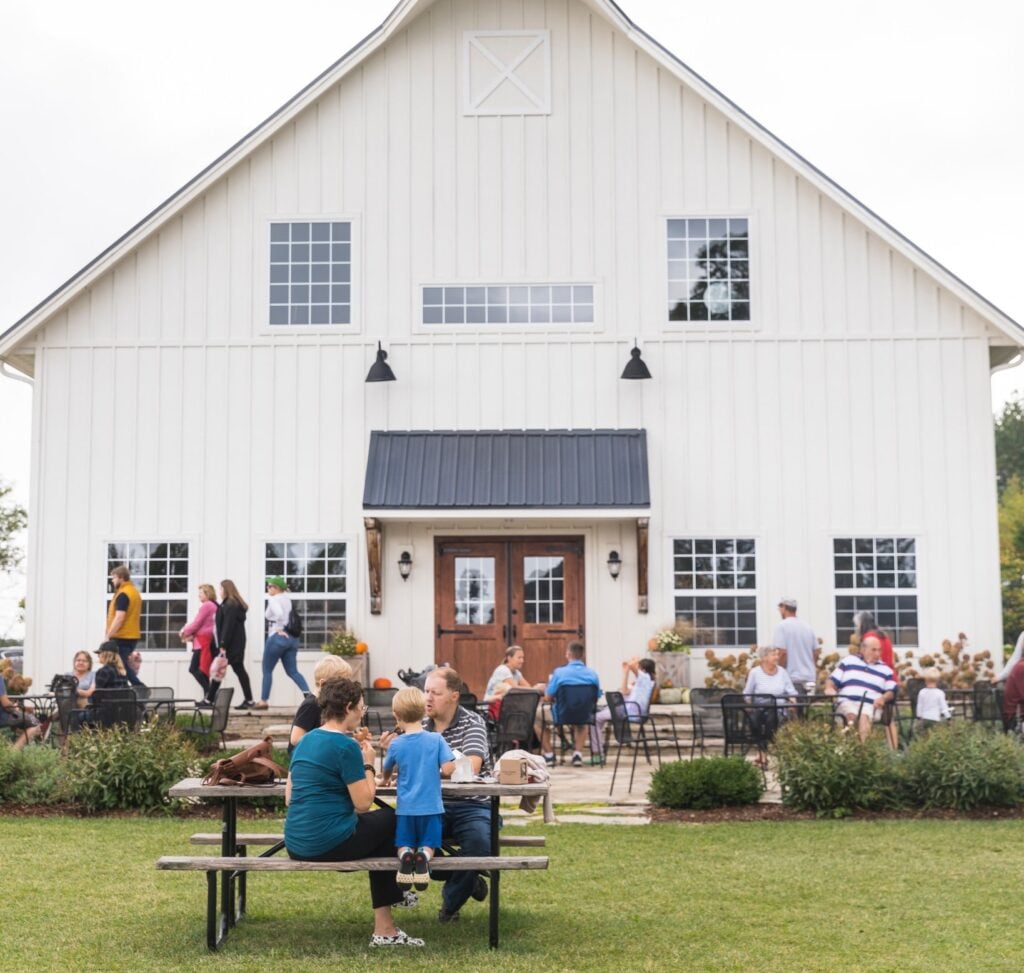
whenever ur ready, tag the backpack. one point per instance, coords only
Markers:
(252, 766)
(294, 626)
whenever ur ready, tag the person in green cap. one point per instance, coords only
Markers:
(280, 646)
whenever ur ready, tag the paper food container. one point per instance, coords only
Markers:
(512, 770)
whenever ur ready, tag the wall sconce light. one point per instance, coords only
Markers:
(635, 367)
(380, 370)
(405, 565)
(614, 565)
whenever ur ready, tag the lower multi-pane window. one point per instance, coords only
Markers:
(715, 585)
(159, 570)
(316, 575)
(879, 575)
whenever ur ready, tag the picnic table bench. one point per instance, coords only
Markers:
(226, 909)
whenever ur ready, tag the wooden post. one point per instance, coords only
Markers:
(642, 527)
(373, 558)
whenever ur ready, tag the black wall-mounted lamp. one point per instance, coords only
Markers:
(614, 565)
(405, 565)
(380, 370)
(635, 367)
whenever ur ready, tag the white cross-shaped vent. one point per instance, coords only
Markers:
(507, 72)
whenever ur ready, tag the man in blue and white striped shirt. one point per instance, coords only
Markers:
(864, 684)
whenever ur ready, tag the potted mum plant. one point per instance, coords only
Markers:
(344, 642)
(670, 650)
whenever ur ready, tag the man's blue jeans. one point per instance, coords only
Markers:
(125, 647)
(467, 824)
(283, 649)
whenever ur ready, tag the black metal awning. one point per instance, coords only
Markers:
(550, 469)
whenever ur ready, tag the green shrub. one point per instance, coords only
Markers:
(962, 766)
(32, 775)
(828, 770)
(124, 769)
(705, 783)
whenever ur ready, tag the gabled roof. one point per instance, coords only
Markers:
(400, 16)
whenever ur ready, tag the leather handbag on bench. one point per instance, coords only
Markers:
(252, 766)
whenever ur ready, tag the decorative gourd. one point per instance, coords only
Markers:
(361, 648)
(381, 682)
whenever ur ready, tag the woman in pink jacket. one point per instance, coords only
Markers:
(199, 632)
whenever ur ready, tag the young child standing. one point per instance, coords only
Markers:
(931, 701)
(419, 756)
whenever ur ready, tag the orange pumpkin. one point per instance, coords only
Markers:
(381, 682)
(361, 648)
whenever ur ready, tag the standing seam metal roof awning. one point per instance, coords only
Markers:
(550, 469)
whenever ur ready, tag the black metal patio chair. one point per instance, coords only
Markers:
(115, 707)
(208, 719)
(706, 713)
(513, 729)
(629, 727)
(576, 706)
(750, 721)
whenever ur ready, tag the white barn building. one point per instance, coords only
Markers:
(507, 196)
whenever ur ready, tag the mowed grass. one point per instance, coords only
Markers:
(84, 895)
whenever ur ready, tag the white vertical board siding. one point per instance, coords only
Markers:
(854, 402)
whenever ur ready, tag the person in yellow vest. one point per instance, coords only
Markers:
(124, 617)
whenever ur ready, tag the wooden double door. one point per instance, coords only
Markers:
(491, 593)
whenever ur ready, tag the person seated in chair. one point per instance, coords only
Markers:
(864, 684)
(25, 726)
(575, 672)
(638, 691)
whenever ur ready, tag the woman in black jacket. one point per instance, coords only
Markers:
(229, 628)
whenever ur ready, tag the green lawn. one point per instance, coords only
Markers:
(83, 895)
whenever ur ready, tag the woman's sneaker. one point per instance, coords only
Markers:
(398, 939)
(421, 866)
(406, 866)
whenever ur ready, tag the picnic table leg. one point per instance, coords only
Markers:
(216, 921)
(228, 850)
(495, 875)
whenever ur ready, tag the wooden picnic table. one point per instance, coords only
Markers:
(232, 907)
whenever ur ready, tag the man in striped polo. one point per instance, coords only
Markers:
(864, 685)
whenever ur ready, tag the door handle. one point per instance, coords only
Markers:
(504, 633)
(563, 631)
(452, 631)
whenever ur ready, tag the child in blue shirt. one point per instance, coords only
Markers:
(419, 757)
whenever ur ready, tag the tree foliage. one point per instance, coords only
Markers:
(1010, 443)
(1011, 557)
(13, 518)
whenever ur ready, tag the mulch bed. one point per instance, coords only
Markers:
(776, 812)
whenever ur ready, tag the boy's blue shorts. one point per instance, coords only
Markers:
(418, 830)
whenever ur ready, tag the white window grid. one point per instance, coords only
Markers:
(715, 585)
(474, 590)
(544, 590)
(708, 269)
(876, 574)
(160, 572)
(316, 576)
(310, 273)
(508, 304)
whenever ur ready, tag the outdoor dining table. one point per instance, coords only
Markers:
(44, 705)
(233, 908)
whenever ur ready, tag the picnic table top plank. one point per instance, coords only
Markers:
(194, 787)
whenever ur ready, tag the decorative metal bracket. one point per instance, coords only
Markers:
(374, 552)
(642, 530)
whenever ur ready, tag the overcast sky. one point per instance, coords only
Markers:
(107, 107)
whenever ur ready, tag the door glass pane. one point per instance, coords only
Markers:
(474, 590)
(543, 590)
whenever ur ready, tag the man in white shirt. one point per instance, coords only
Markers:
(797, 645)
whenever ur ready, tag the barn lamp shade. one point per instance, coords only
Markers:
(380, 370)
(614, 565)
(635, 367)
(405, 560)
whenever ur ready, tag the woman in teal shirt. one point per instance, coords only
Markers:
(331, 786)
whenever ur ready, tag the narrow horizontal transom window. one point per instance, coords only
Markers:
(509, 304)
(316, 575)
(310, 273)
(879, 575)
(715, 588)
(160, 572)
(708, 270)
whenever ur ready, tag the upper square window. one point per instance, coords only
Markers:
(708, 270)
(316, 575)
(310, 273)
(505, 304)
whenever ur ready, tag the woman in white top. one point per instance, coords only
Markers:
(82, 671)
(769, 678)
(280, 646)
(507, 675)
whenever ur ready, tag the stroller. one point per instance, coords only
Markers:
(418, 679)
